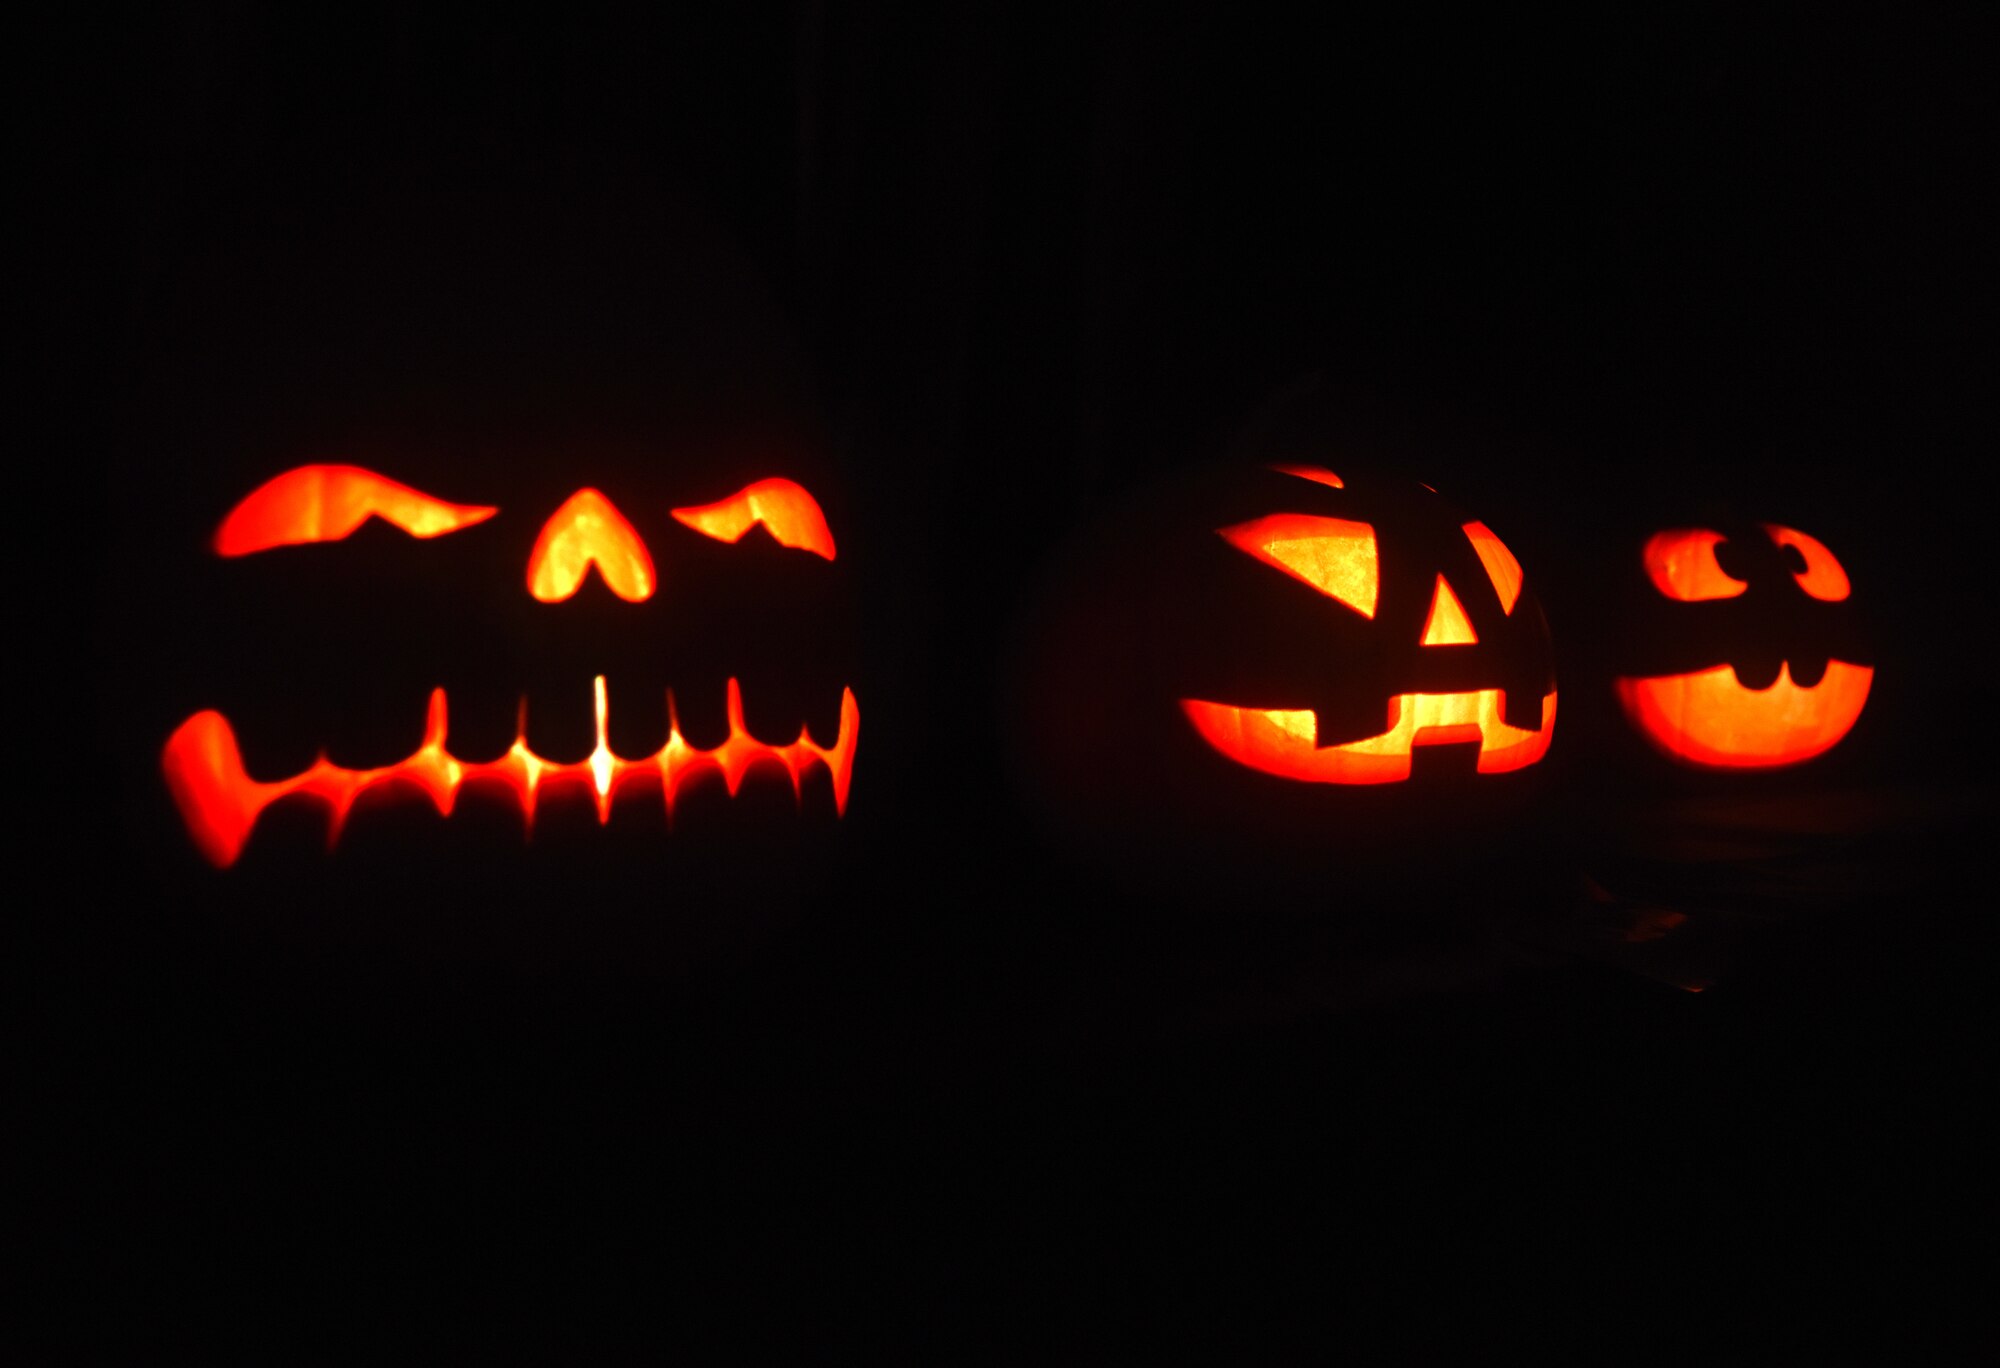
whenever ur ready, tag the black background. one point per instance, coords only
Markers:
(991, 1099)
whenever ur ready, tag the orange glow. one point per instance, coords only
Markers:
(319, 503)
(1448, 625)
(790, 514)
(1333, 555)
(220, 803)
(1823, 577)
(1501, 567)
(1316, 474)
(588, 530)
(1683, 566)
(1284, 742)
(1708, 718)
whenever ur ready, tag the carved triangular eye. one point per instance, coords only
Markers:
(1447, 624)
(322, 503)
(589, 530)
(1333, 555)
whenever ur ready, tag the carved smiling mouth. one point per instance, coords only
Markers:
(1284, 741)
(220, 803)
(1708, 717)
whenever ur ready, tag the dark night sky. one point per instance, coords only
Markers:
(1026, 259)
(1583, 269)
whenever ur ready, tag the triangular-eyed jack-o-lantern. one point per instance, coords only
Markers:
(1287, 656)
(1341, 560)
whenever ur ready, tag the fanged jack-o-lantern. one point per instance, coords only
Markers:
(502, 503)
(220, 803)
(1253, 643)
(1752, 661)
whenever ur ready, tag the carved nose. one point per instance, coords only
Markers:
(589, 530)
(1447, 624)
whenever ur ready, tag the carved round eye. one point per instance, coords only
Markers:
(319, 503)
(1823, 577)
(790, 514)
(1682, 565)
(1333, 555)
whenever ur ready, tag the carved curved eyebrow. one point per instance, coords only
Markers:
(316, 503)
(788, 512)
(1501, 567)
(1822, 578)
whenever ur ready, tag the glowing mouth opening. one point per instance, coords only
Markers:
(220, 803)
(1282, 741)
(1709, 718)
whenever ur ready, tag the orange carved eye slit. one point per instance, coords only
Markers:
(320, 503)
(1333, 555)
(589, 530)
(1501, 567)
(1823, 577)
(1317, 474)
(788, 512)
(1682, 565)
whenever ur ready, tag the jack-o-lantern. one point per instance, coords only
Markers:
(317, 504)
(1309, 656)
(1341, 559)
(477, 553)
(1747, 657)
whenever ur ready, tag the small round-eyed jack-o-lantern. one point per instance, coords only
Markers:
(1748, 657)
(1306, 657)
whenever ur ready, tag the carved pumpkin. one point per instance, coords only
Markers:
(1340, 558)
(1299, 653)
(1748, 657)
(587, 535)
(487, 541)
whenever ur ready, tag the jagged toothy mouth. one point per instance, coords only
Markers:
(1284, 741)
(220, 803)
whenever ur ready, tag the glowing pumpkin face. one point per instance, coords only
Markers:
(475, 582)
(314, 513)
(1278, 662)
(1780, 694)
(1341, 559)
